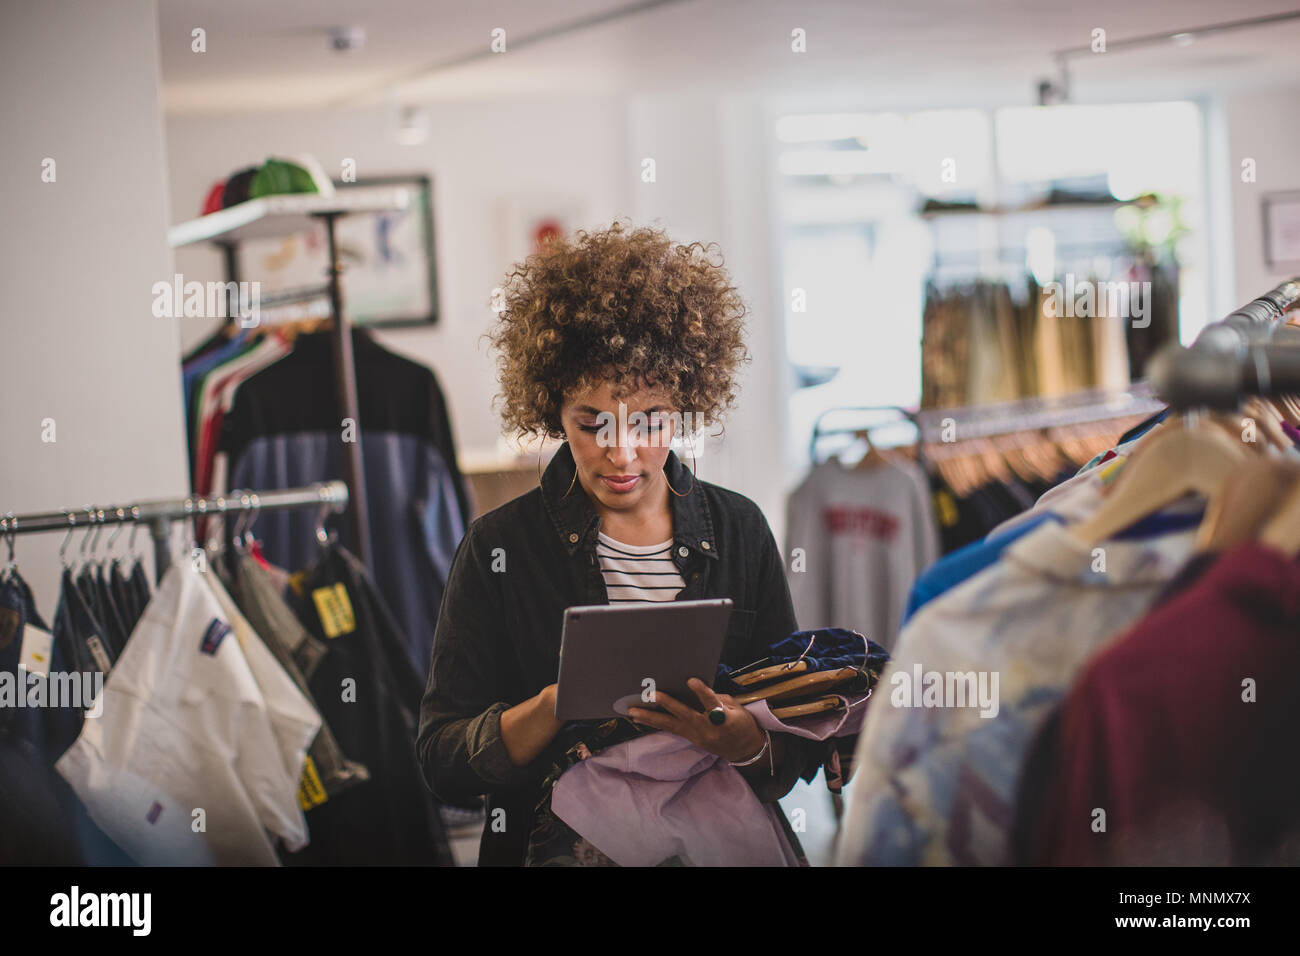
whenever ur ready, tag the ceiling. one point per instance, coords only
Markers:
(860, 53)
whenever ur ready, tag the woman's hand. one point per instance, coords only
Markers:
(527, 728)
(736, 739)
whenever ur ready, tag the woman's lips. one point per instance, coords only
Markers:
(623, 486)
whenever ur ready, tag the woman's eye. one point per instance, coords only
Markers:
(654, 424)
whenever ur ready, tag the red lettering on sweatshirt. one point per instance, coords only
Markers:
(845, 519)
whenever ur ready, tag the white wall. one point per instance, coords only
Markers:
(713, 184)
(1260, 126)
(78, 258)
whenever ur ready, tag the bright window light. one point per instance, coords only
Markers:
(1141, 147)
(949, 151)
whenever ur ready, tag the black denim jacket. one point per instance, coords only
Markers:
(498, 636)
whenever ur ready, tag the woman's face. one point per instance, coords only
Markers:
(620, 453)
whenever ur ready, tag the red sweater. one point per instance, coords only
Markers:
(1161, 732)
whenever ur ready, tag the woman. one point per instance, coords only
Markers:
(611, 316)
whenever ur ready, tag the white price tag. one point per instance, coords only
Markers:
(38, 648)
(98, 653)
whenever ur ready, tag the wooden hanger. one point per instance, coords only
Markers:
(770, 672)
(1047, 458)
(815, 683)
(1245, 505)
(290, 331)
(1172, 461)
(873, 458)
(818, 706)
(968, 471)
(1012, 452)
(1282, 532)
(1270, 422)
(944, 467)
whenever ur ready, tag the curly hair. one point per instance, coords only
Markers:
(626, 307)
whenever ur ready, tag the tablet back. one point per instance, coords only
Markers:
(613, 655)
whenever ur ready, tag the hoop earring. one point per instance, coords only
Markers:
(539, 468)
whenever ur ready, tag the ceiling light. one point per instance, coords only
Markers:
(413, 129)
(347, 39)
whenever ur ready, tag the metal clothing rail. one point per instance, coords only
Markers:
(1034, 414)
(1251, 352)
(964, 423)
(159, 514)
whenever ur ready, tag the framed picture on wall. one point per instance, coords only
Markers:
(389, 266)
(1282, 229)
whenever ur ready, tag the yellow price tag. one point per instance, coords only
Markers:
(311, 792)
(335, 610)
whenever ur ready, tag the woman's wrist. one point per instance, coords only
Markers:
(751, 745)
(528, 728)
(758, 754)
(545, 703)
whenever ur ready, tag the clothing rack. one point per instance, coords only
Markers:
(159, 514)
(1251, 352)
(1035, 414)
(288, 215)
(1003, 418)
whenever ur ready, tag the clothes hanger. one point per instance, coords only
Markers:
(1019, 454)
(805, 684)
(1283, 408)
(1248, 502)
(818, 706)
(1269, 421)
(1282, 531)
(11, 566)
(949, 474)
(1047, 458)
(973, 464)
(873, 458)
(1177, 459)
(992, 460)
(324, 537)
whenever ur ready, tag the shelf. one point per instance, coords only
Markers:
(1037, 207)
(277, 216)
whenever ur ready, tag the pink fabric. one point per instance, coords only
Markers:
(658, 795)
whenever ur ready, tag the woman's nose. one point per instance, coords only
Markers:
(624, 453)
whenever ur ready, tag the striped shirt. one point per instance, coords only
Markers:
(635, 572)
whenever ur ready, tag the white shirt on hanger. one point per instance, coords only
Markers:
(294, 721)
(184, 767)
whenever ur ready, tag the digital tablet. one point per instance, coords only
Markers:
(613, 655)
